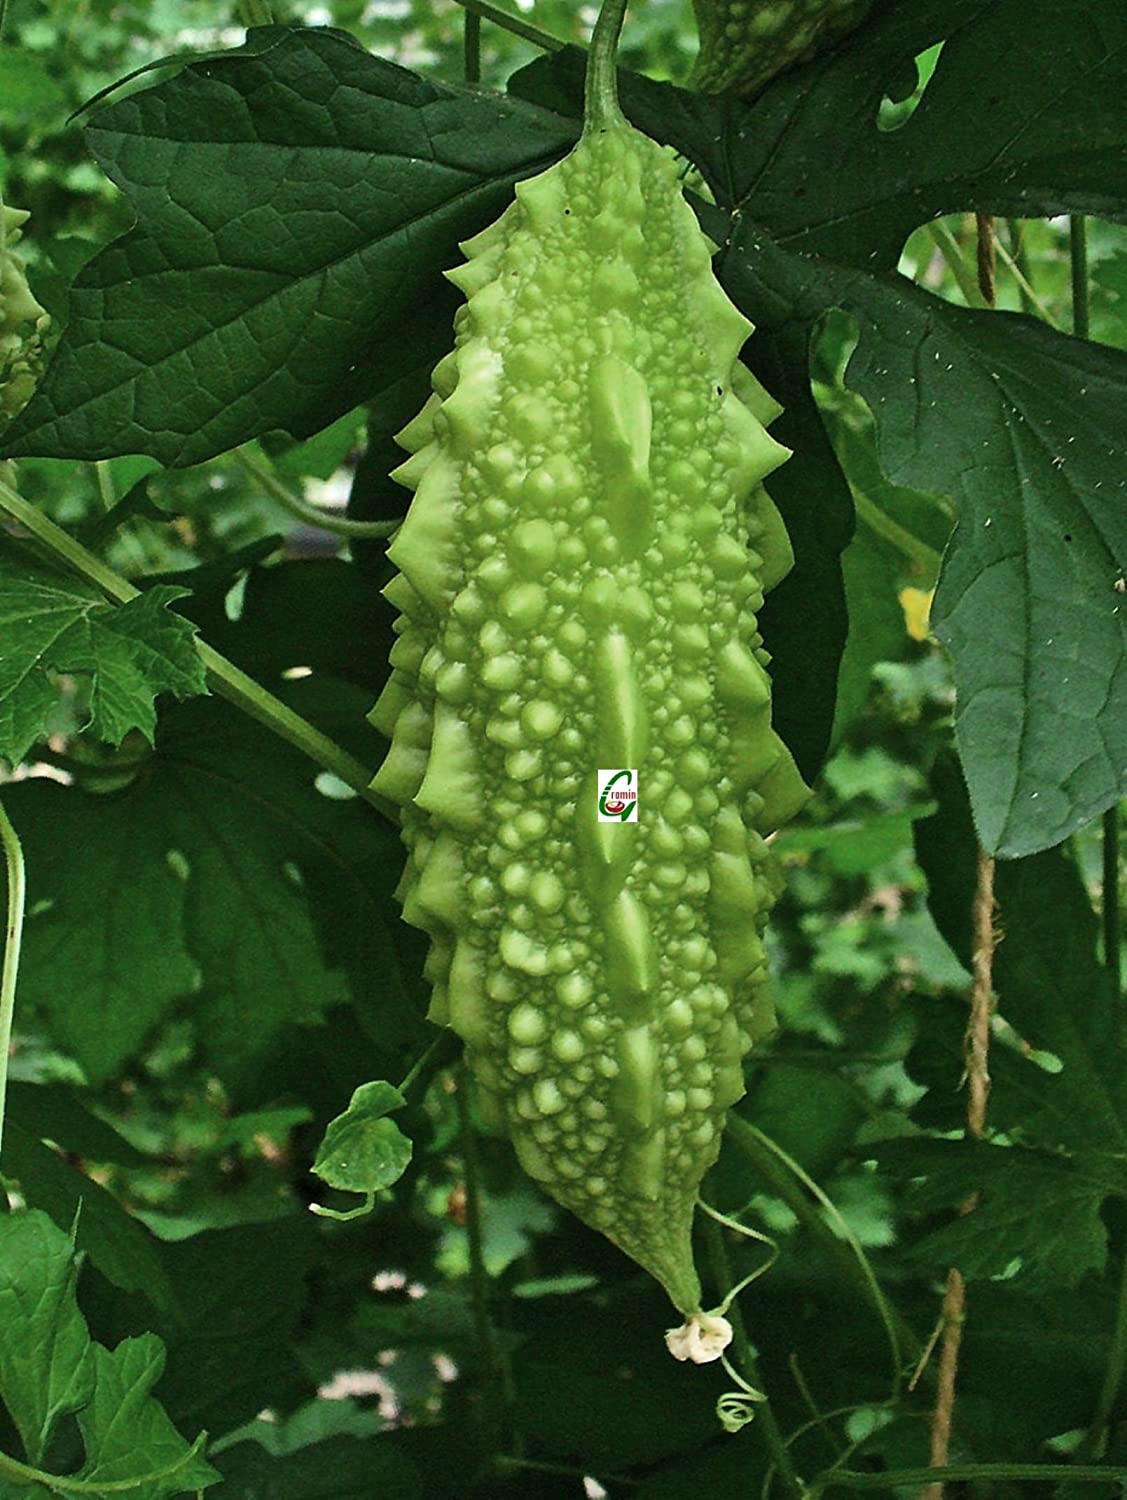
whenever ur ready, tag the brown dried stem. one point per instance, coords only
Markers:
(977, 1044)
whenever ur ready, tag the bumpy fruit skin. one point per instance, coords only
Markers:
(744, 43)
(22, 321)
(578, 591)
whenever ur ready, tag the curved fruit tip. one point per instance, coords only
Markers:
(702, 1338)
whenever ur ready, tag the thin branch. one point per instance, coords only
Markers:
(1018, 262)
(1017, 265)
(513, 24)
(766, 1155)
(312, 515)
(986, 258)
(471, 48)
(1113, 942)
(893, 1479)
(916, 551)
(982, 999)
(952, 253)
(1078, 258)
(977, 1042)
(479, 1276)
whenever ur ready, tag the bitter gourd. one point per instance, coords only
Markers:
(22, 320)
(577, 591)
(744, 43)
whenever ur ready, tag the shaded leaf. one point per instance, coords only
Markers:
(220, 872)
(120, 1246)
(1036, 1216)
(340, 1468)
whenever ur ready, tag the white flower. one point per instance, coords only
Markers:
(702, 1339)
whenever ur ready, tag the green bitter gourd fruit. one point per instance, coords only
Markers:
(22, 320)
(744, 43)
(577, 590)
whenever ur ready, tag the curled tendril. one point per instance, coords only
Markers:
(735, 1409)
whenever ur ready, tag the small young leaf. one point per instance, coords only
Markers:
(363, 1151)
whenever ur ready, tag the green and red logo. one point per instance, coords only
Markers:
(618, 795)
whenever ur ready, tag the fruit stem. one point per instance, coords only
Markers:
(600, 100)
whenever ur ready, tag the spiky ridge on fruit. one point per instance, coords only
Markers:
(744, 43)
(22, 321)
(578, 591)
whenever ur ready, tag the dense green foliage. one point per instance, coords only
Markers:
(221, 1015)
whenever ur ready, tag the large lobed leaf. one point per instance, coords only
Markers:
(295, 210)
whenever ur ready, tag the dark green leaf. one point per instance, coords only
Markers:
(105, 956)
(54, 1112)
(220, 871)
(295, 210)
(1036, 1216)
(246, 1289)
(340, 1469)
(1021, 426)
(1041, 131)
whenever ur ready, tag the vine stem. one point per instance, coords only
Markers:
(748, 1365)
(926, 558)
(18, 1474)
(964, 1473)
(1018, 261)
(951, 251)
(512, 24)
(766, 1154)
(1078, 264)
(17, 901)
(1113, 957)
(600, 93)
(953, 1313)
(313, 515)
(471, 48)
(224, 678)
(479, 1276)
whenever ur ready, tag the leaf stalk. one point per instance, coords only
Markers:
(224, 678)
